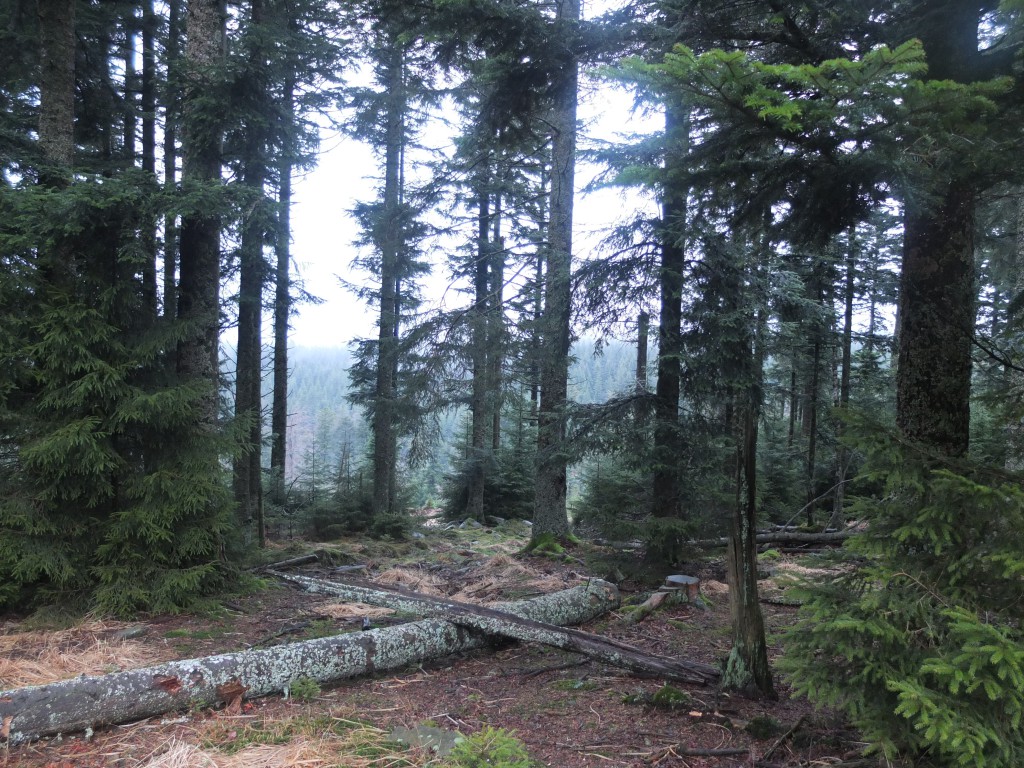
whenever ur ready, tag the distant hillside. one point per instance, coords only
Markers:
(322, 421)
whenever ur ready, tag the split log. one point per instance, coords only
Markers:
(499, 620)
(87, 702)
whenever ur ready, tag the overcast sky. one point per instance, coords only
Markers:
(324, 232)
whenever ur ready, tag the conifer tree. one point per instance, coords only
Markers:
(550, 514)
(198, 288)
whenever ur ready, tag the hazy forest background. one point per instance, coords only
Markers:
(815, 321)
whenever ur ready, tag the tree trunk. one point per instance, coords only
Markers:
(937, 308)
(88, 702)
(667, 436)
(57, 89)
(550, 516)
(148, 106)
(198, 290)
(501, 621)
(747, 666)
(282, 303)
(171, 105)
(252, 277)
(479, 412)
(385, 440)
(842, 456)
(496, 323)
(640, 383)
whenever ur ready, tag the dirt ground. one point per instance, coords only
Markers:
(569, 711)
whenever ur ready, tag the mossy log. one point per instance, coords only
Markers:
(88, 702)
(504, 621)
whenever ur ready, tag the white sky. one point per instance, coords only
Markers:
(324, 232)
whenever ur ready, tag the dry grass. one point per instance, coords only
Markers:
(300, 753)
(714, 588)
(491, 581)
(414, 579)
(306, 740)
(91, 648)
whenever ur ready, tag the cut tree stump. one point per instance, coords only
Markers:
(88, 702)
(500, 620)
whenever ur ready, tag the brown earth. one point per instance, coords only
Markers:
(569, 712)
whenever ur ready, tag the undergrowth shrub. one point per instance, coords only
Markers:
(490, 748)
(920, 638)
(508, 484)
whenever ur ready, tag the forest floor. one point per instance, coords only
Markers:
(569, 711)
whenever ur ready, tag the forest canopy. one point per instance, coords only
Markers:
(818, 321)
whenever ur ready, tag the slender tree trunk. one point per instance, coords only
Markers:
(1014, 454)
(479, 411)
(667, 436)
(550, 516)
(842, 457)
(252, 278)
(747, 667)
(937, 310)
(130, 112)
(540, 260)
(171, 107)
(496, 323)
(198, 291)
(148, 105)
(640, 376)
(282, 305)
(385, 441)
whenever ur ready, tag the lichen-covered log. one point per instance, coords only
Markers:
(508, 621)
(88, 702)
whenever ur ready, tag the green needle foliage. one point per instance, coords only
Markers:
(920, 639)
(112, 494)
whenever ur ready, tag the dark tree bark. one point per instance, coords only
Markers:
(391, 244)
(937, 310)
(252, 277)
(148, 106)
(937, 281)
(643, 330)
(282, 305)
(170, 153)
(747, 667)
(550, 515)
(842, 456)
(198, 290)
(57, 89)
(496, 323)
(479, 412)
(667, 436)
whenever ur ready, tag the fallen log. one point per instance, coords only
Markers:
(783, 537)
(515, 625)
(88, 702)
(289, 563)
